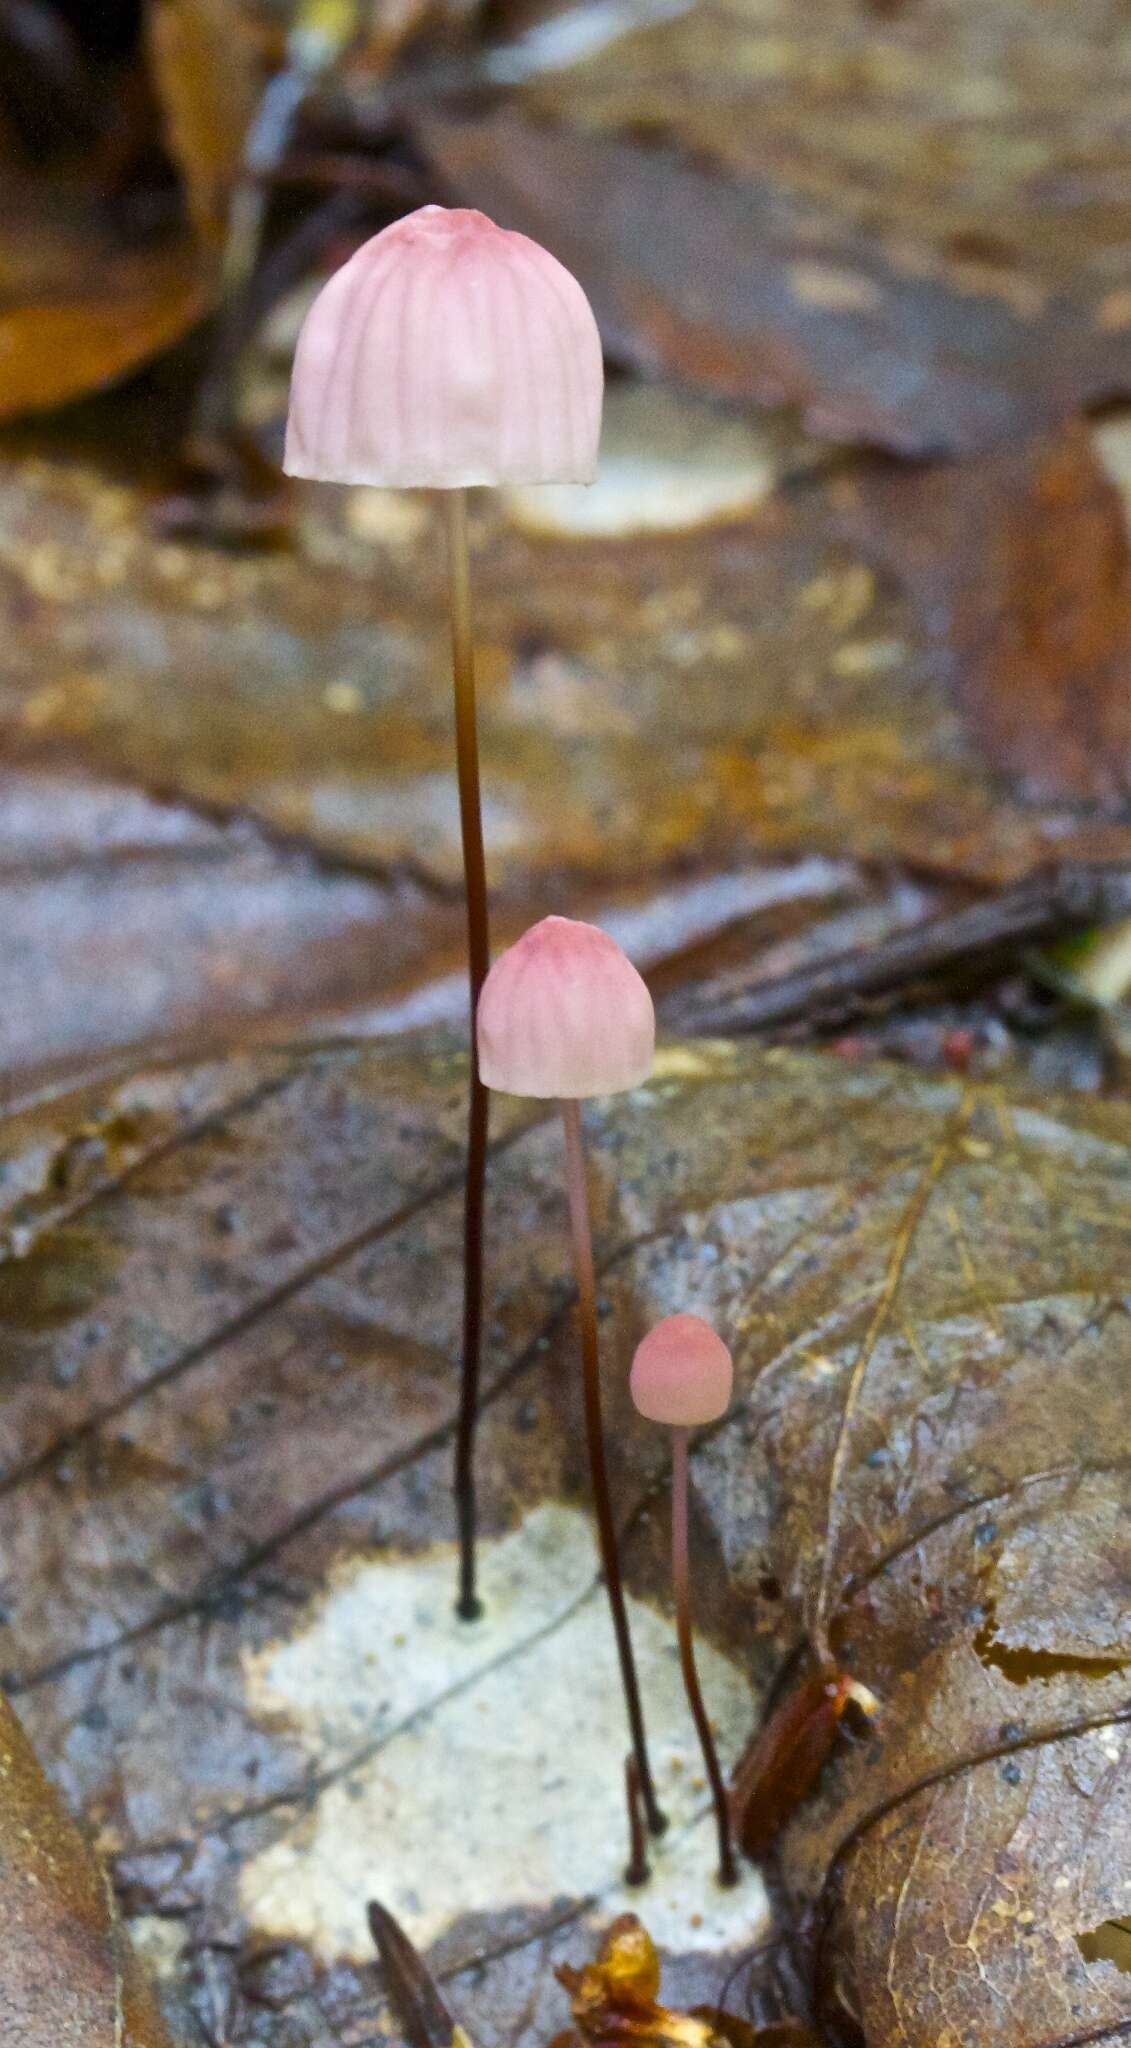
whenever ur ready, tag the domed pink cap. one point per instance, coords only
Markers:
(682, 1373)
(447, 351)
(564, 1012)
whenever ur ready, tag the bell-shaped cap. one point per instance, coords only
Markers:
(565, 1013)
(682, 1373)
(446, 352)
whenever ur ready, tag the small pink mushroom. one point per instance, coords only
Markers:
(682, 1376)
(564, 1013)
(449, 352)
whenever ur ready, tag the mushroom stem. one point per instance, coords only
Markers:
(468, 1605)
(591, 1383)
(636, 1870)
(681, 1580)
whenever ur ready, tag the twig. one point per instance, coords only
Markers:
(380, 178)
(1049, 904)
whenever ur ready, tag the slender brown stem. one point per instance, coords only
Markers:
(637, 1870)
(478, 957)
(595, 1436)
(681, 1580)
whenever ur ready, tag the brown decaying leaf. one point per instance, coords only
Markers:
(69, 1977)
(95, 877)
(1021, 563)
(731, 286)
(230, 1340)
(83, 300)
(787, 1757)
(907, 228)
(79, 306)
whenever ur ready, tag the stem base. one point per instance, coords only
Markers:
(595, 1439)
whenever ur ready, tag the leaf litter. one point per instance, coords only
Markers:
(283, 1456)
(230, 1282)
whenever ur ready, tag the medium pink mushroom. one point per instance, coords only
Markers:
(449, 352)
(682, 1376)
(565, 1014)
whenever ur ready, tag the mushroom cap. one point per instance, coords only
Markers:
(447, 352)
(682, 1373)
(565, 1013)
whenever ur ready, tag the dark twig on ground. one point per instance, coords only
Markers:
(971, 942)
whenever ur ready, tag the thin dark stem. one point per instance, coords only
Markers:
(478, 956)
(595, 1436)
(681, 1580)
(637, 1870)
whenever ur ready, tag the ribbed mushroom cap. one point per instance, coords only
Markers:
(682, 1373)
(446, 352)
(565, 1013)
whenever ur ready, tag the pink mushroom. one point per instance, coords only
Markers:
(565, 1014)
(450, 352)
(447, 352)
(682, 1376)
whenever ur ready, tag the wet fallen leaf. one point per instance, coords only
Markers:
(1021, 563)
(96, 878)
(905, 227)
(70, 1976)
(230, 1329)
(826, 695)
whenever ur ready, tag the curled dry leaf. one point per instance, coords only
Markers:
(617, 1997)
(230, 1348)
(785, 1761)
(69, 1977)
(81, 304)
(85, 297)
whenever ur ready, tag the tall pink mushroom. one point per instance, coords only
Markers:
(565, 1014)
(449, 352)
(682, 1376)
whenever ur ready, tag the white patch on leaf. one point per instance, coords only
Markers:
(480, 1769)
(669, 463)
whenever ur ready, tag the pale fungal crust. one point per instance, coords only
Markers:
(447, 352)
(431, 1795)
